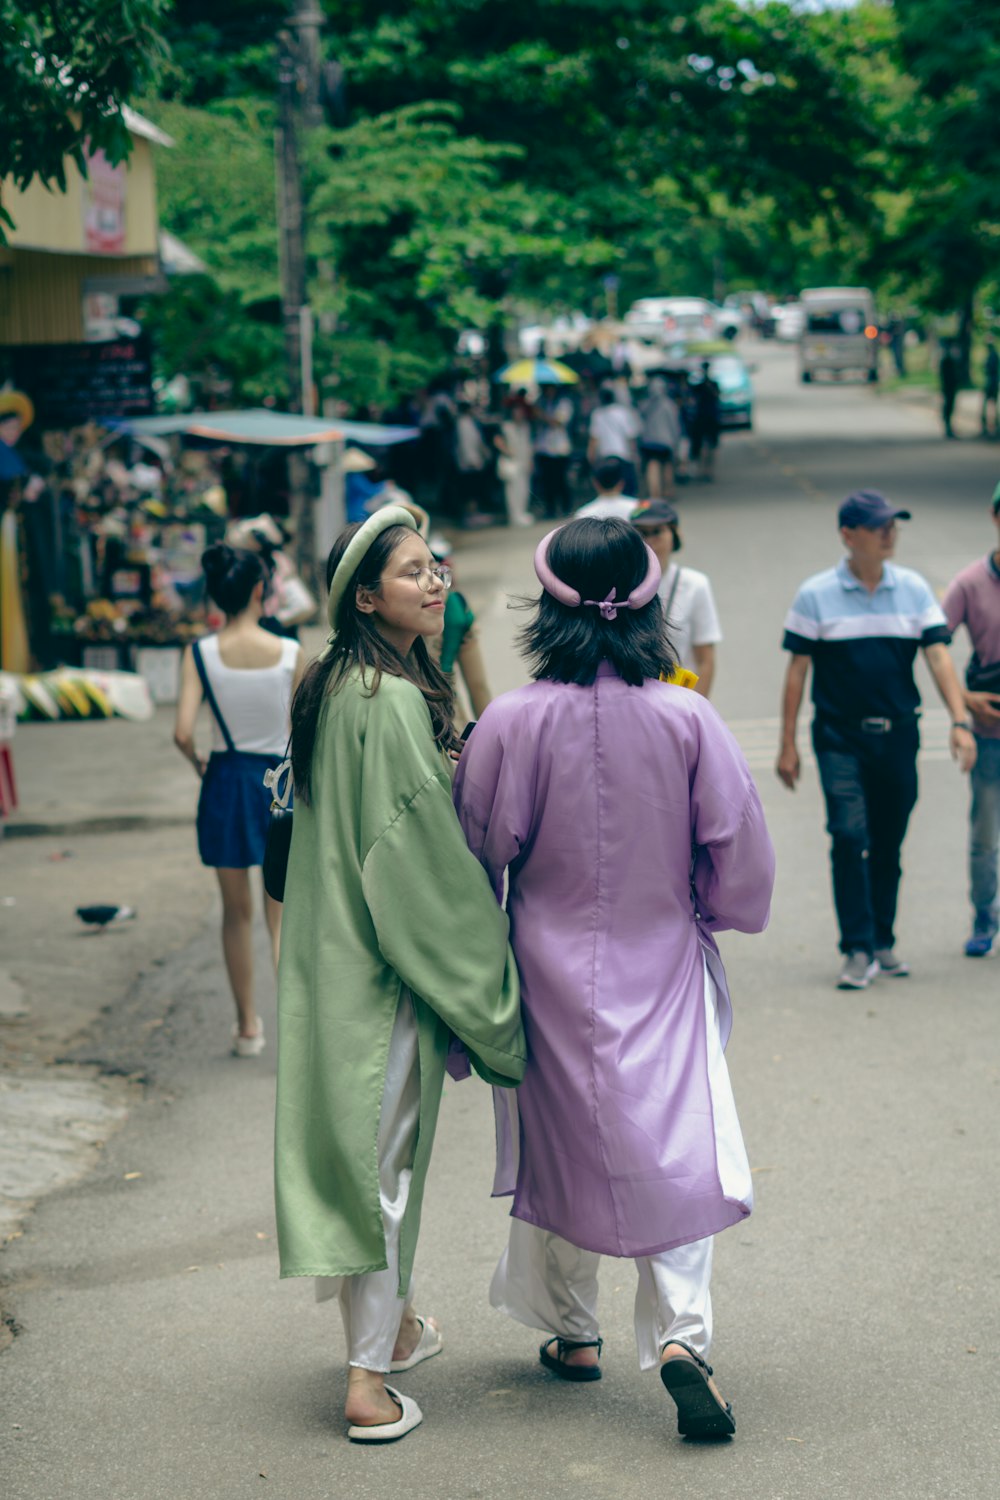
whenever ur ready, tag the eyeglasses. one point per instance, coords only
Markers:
(425, 578)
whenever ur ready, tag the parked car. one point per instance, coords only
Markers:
(732, 375)
(676, 320)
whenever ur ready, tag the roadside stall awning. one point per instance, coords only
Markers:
(265, 428)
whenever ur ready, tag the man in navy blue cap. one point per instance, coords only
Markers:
(859, 625)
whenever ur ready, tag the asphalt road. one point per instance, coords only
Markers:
(857, 1312)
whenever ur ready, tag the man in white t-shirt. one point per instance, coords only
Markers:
(688, 602)
(613, 431)
(611, 500)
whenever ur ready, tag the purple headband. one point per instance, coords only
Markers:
(608, 608)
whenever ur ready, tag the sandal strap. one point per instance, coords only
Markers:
(566, 1346)
(693, 1353)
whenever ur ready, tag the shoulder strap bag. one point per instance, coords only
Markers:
(210, 698)
(279, 830)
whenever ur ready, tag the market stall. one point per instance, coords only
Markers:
(114, 530)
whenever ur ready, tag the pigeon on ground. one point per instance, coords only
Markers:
(100, 917)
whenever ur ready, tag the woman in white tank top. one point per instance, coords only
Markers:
(247, 677)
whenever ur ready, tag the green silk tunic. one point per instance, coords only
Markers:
(382, 894)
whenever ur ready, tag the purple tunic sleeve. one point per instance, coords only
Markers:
(493, 798)
(734, 857)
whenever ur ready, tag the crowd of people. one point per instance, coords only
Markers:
(532, 457)
(502, 901)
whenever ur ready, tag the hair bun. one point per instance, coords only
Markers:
(217, 560)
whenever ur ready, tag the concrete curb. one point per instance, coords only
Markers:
(112, 823)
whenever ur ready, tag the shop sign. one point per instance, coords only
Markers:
(104, 190)
(75, 383)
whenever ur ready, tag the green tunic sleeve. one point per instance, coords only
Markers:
(436, 919)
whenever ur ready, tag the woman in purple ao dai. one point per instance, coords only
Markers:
(628, 824)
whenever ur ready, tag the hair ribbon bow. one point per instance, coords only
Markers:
(608, 608)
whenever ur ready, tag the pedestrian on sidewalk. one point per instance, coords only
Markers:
(614, 428)
(473, 461)
(628, 825)
(948, 373)
(688, 602)
(611, 500)
(246, 675)
(660, 439)
(392, 943)
(859, 626)
(553, 413)
(516, 461)
(973, 600)
(704, 423)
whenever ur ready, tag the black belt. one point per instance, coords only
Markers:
(871, 725)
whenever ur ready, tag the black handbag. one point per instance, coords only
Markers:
(279, 830)
(982, 679)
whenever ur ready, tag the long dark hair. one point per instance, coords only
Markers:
(565, 644)
(357, 642)
(231, 575)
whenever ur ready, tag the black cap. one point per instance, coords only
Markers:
(655, 513)
(869, 509)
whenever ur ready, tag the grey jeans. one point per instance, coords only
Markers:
(984, 835)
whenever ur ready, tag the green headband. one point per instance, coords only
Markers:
(357, 547)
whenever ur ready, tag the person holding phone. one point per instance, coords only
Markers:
(624, 817)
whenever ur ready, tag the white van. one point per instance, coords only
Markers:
(840, 332)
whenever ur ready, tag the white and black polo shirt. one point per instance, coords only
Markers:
(863, 645)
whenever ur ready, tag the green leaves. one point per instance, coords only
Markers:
(67, 68)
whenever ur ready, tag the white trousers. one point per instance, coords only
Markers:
(547, 1283)
(516, 492)
(370, 1304)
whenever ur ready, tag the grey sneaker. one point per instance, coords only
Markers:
(888, 962)
(857, 970)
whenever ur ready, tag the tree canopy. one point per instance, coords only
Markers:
(501, 156)
(67, 67)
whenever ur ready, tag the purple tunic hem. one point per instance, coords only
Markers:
(738, 1212)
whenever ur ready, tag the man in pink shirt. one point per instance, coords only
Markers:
(973, 600)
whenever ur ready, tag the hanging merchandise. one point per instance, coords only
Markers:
(13, 630)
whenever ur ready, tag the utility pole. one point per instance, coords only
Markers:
(298, 110)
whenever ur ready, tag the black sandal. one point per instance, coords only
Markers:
(558, 1365)
(700, 1413)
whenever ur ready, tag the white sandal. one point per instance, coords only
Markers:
(389, 1432)
(249, 1046)
(429, 1343)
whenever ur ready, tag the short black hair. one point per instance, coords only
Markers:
(606, 395)
(566, 644)
(231, 575)
(609, 473)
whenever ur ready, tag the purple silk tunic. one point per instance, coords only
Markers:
(631, 830)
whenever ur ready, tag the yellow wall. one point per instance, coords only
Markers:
(53, 221)
(41, 295)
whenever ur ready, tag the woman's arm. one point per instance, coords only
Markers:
(473, 669)
(704, 665)
(188, 704)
